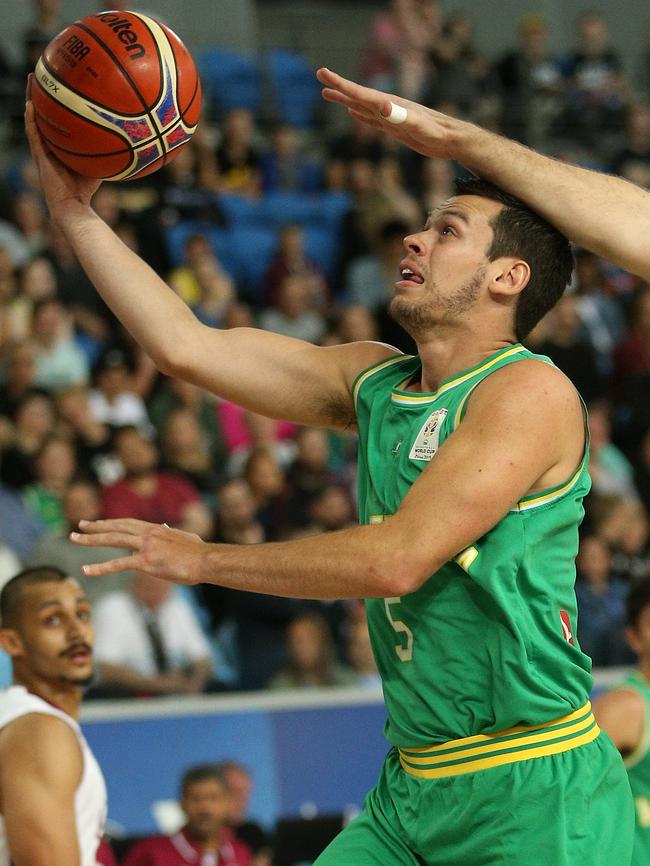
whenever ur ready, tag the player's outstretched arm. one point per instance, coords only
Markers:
(621, 714)
(605, 214)
(494, 458)
(40, 770)
(267, 373)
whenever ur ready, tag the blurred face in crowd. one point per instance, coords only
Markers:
(28, 214)
(35, 416)
(21, 367)
(236, 505)
(308, 644)
(594, 560)
(592, 35)
(49, 322)
(359, 648)
(38, 280)
(136, 453)
(238, 126)
(182, 432)
(150, 591)
(293, 296)
(332, 509)
(638, 636)
(264, 475)
(52, 636)
(81, 501)
(313, 448)
(56, 463)
(357, 323)
(240, 786)
(206, 804)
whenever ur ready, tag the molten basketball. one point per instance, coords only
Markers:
(116, 95)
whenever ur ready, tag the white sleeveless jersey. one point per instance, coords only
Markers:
(90, 799)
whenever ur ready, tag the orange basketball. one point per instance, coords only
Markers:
(116, 95)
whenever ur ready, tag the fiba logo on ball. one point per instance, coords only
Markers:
(116, 95)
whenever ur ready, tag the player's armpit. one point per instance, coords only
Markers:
(40, 769)
(523, 431)
(277, 376)
(621, 714)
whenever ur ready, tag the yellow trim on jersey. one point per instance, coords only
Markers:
(552, 495)
(466, 557)
(418, 399)
(375, 369)
(483, 751)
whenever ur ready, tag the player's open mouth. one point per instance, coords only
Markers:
(409, 275)
(78, 655)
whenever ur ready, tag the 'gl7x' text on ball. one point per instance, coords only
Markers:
(116, 95)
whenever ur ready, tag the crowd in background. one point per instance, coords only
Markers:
(297, 230)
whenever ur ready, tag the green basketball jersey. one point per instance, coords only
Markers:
(637, 765)
(488, 642)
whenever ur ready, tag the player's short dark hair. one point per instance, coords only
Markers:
(11, 597)
(202, 773)
(519, 231)
(637, 600)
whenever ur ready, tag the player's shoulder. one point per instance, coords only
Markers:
(623, 701)
(529, 384)
(39, 728)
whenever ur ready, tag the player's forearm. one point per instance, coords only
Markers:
(605, 214)
(158, 320)
(361, 562)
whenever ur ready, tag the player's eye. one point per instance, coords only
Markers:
(84, 615)
(55, 619)
(447, 230)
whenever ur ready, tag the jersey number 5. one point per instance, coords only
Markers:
(404, 649)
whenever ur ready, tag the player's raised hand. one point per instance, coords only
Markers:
(424, 130)
(60, 185)
(160, 551)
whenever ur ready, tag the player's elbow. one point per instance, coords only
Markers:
(397, 573)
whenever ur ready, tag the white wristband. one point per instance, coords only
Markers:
(398, 113)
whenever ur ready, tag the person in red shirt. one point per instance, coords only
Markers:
(205, 839)
(147, 493)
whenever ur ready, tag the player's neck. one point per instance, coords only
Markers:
(444, 356)
(64, 696)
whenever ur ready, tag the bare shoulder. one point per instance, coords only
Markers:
(357, 357)
(531, 381)
(39, 743)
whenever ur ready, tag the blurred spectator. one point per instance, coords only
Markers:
(205, 838)
(330, 509)
(92, 438)
(202, 282)
(178, 394)
(81, 500)
(611, 472)
(308, 474)
(20, 375)
(370, 279)
(238, 157)
(45, 24)
(185, 452)
(631, 382)
(33, 420)
(286, 166)
(530, 84)
(59, 361)
(240, 786)
(293, 314)
(245, 430)
(113, 399)
(30, 219)
(631, 553)
(54, 466)
(633, 160)
(291, 260)
(359, 655)
(355, 322)
(358, 141)
(149, 494)
(310, 657)
(601, 605)
(148, 641)
(236, 520)
(600, 314)
(187, 186)
(437, 183)
(566, 347)
(642, 476)
(460, 70)
(397, 56)
(597, 92)
(268, 486)
(20, 529)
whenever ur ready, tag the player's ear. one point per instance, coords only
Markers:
(510, 277)
(10, 641)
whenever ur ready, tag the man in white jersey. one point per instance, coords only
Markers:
(52, 792)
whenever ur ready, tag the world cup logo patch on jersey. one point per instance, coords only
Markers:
(567, 633)
(427, 441)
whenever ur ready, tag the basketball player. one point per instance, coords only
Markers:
(624, 712)
(473, 467)
(52, 793)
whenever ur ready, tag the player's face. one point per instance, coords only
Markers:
(55, 634)
(206, 804)
(445, 269)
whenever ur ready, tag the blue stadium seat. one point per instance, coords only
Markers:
(281, 208)
(332, 208)
(295, 89)
(231, 80)
(220, 239)
(253, 248)
(241, 210)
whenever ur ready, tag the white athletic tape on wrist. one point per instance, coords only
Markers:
(398, 113)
